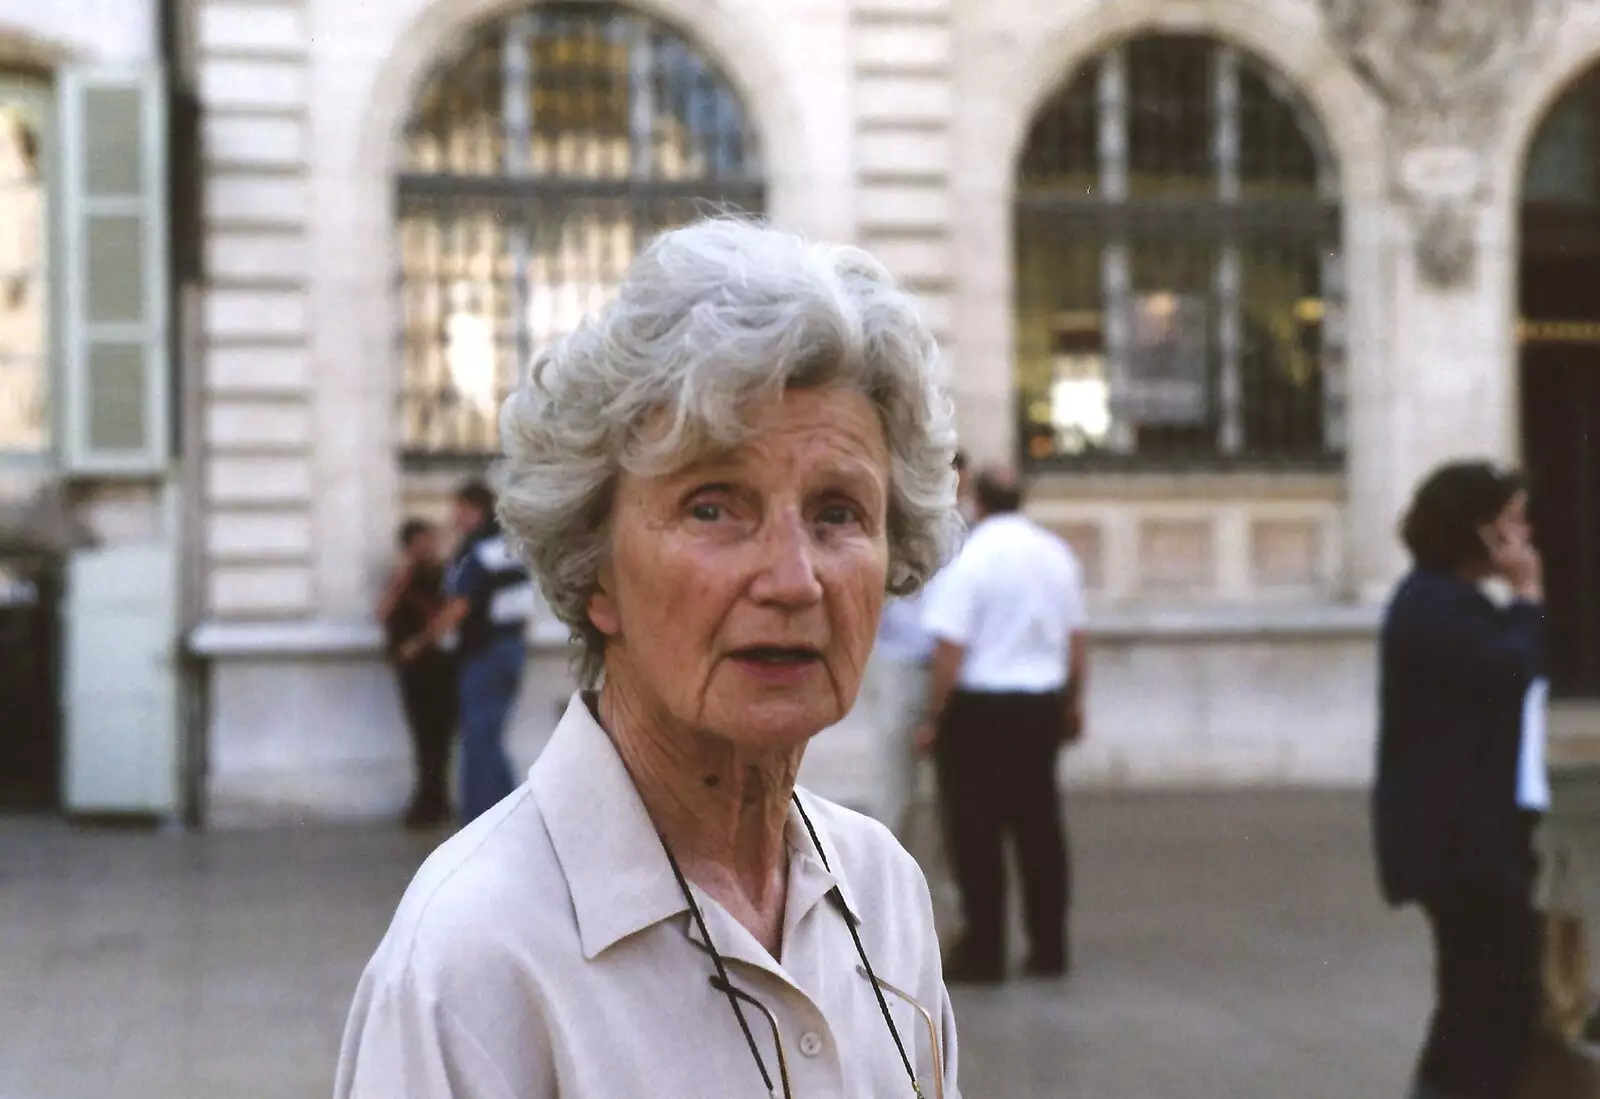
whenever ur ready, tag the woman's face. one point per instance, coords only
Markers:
(742, 593)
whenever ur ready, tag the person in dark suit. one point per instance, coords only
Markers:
(1460, 780)
(427, 673)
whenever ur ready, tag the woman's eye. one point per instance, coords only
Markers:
(835, 515)
(705, 512)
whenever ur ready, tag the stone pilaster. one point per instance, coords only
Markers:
(256, 429)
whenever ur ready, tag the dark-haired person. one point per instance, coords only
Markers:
(1007, 685)
(1461, 783)
(490, 599)
(427, 674)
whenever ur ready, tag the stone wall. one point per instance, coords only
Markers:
(102, 31)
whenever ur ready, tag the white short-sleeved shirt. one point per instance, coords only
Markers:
(901, 634)
(1012, 599)
(546, 951)
(1533, 775)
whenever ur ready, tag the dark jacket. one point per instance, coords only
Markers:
(415, 607)
(1454, 674)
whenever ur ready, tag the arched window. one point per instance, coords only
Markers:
(1178, 275)
(539, 160)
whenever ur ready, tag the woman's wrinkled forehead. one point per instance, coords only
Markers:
(666, 441)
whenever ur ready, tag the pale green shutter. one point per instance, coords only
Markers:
(115, 378)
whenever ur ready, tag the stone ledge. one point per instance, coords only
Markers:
(1317, 621)
(318, 638)
(223, 640)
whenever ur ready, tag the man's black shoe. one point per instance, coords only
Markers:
(1046, 968)
(961, 967)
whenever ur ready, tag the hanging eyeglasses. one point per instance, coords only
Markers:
(736, 996)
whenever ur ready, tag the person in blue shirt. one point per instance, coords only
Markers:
(1460, 778)
(489, 600)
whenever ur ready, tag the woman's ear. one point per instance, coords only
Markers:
(602, 609)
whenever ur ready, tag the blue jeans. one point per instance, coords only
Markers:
(489, 681)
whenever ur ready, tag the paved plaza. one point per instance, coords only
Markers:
(1228, 945)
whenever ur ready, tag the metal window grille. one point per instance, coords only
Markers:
(539, 161)
(1178, 271)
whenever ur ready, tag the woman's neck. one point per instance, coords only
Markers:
(722, 810)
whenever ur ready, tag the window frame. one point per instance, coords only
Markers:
(530, 206)
(1227, 220)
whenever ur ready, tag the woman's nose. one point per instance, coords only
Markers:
(788, 573)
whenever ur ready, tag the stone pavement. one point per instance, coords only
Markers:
(1228, 945)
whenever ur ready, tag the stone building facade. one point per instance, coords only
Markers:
(1230, 275)
(1235, 594)
(92, 602)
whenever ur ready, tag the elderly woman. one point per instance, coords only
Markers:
(716, 481)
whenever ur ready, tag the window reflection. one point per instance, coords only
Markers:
(24, 311)
(540, 158)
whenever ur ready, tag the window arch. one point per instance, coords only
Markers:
(1562, 171)
(1178, 269)
(538, 161)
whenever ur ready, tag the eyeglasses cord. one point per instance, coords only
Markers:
(726, 986)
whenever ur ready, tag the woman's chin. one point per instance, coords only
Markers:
(778, 724)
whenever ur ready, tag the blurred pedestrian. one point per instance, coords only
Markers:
(1461, 784)
(896, 684)
(1006, 694)
(490, 601)
(426, 674)
(718, 479)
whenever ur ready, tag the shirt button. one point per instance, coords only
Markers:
(810, 1043)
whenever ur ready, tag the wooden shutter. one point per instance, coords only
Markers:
(116, 390)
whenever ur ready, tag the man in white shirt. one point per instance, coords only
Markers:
(888, 712)
(1007, 690)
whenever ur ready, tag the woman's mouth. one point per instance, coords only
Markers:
(777, 663)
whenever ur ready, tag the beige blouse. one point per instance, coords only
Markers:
(546, 950)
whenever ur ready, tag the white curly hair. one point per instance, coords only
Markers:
(710, 319)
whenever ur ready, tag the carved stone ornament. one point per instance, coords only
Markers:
(1442, 69)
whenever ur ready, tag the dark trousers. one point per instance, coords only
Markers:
(428, 697)
(996, 758)
(1486, 951)
(490, 679)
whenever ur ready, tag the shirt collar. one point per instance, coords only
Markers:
(609, 851)
(484, 531)
(828, 869)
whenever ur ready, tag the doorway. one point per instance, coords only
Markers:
(30, 735)
(1560, 379)
(1559, 337)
